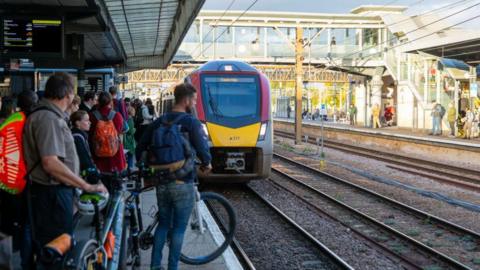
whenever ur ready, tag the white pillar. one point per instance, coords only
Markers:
(265, 42)
(201, 39)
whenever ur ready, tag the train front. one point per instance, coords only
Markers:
(234, 107)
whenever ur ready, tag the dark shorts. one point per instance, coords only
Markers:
(52, 209)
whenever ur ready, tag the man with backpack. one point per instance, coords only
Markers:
(53, 166)
(169, 146)
(438, 111)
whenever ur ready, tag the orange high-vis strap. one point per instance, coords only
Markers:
(99, 258)
(109, 244)
(61, 244)
(12, 164)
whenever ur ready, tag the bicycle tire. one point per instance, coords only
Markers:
(124, 248)
(83, 250)
(228, 232)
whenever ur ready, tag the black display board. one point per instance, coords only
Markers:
(32, 37)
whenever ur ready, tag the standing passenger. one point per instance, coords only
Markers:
(51, 158)
(146, 116)
(467, 128)
(436, 118)
(353, 114)
(80, 128)
(114, 161)
(451, 114)
(376, 116)
(129, 138)
(89, 100)
(175, 198)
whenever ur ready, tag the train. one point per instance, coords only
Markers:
(233, 104)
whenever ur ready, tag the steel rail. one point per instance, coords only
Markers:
(454, 172)
(330, 254)
(235, 245)
(416, 212)
(408, 263)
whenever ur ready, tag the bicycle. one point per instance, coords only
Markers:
(132, 237)
(198, 231)
(104, 250)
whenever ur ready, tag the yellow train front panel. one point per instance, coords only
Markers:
(245, 136)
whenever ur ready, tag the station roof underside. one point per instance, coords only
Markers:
(137, 33)
(467, 51)
(433, 35)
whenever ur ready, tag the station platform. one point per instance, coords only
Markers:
(443, 149)
(393, 132)
(228, 260)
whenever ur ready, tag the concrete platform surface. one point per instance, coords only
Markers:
(394, 132)
(192, 243)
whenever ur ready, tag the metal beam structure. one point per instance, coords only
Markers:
(275, 73)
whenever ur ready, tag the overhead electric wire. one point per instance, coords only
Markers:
(414, 16)
(211, 29)
(416, 29)
(241, 15)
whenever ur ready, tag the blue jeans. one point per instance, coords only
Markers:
(130, 160)
(436, 126)
(175, 204)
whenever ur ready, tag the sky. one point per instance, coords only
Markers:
(344, 6)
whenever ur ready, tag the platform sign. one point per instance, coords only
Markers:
(473, 90)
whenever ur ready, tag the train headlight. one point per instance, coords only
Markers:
(263, 131)
(205, 129)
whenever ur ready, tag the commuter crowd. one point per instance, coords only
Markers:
(66, 139)
(463, 124)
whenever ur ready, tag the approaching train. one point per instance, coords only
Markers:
(234, 106)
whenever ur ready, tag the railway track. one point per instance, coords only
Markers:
(462, 177)
(448, 243)
(247, 264)
(274, 240)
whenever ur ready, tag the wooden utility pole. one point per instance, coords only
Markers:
(298, 83)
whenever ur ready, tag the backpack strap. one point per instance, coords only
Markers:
(97, 115)
(46, 108)
(174, 121)
(111, 115)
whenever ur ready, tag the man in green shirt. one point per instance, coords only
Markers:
(451, 116)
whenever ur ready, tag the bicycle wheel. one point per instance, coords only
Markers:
(129, 251)
(203, 246)
(84, 255)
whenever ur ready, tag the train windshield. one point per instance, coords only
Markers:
(231, 100)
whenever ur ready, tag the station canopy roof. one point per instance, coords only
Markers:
(137, 33)
(433, 35)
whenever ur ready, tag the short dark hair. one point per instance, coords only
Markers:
(89, 96)
(77, 116)
(182, 91)
(59, 85)
(113, 90)
(104, 99)
(26, 100)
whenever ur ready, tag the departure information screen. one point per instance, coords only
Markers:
(32, 36)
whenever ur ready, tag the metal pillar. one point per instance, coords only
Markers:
(456, 98)
(298, 84)
(473, 80)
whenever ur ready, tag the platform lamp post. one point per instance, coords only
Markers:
(298, 83)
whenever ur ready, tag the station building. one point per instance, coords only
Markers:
(372, 55)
